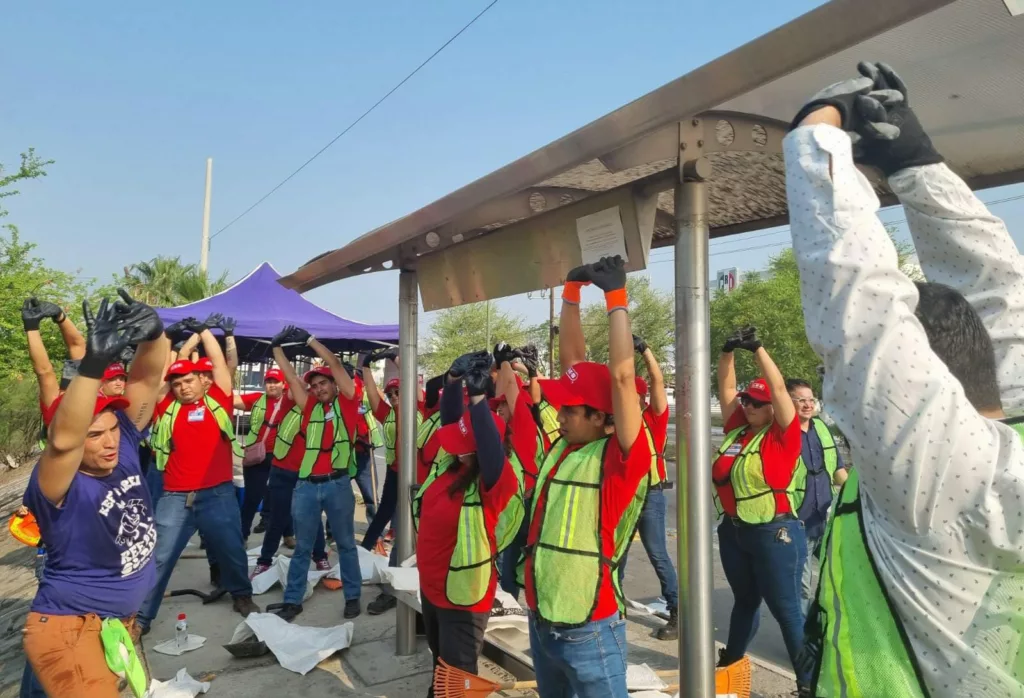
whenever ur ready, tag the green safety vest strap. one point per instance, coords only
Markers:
(831, 453)
(426, 429)
(755, 499)
(548, 420)
(655, 472)
(372, 425)
(391, 434)
(256, 416)
(312, 430)
(162, 437)
(287, 432)
(122, 660)
(567, 558)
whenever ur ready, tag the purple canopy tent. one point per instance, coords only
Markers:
(262, 307)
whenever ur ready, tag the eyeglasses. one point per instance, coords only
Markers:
(391, 393)
(751, 402)
(810, 401)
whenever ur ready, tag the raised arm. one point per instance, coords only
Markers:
(73, 421)
(656, 382)
(782, 403)
(73, 339)
(490, 452)
(727, 379)
(149, 365)
(369, 383)
(506, 385)
(296, 386)
(221, 375)
(227, 325)
(572, 346)
(32, 315)
(346, 386)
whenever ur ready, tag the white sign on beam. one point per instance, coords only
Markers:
(601, 235)
(728, 279)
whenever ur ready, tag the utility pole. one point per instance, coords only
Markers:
(204, 254)
(488, 343)
(551, 333)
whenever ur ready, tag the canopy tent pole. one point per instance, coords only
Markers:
(693, 430)
(408, 302)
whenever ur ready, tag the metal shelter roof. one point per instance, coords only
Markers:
(960, 58)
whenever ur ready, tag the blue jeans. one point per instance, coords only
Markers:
(365, 481)
(764, 562)
(510, 558)
(807, 587)
(280, 487)
(386, 511)
(652, 535)
(309, 501)
(30, 686)
(214, 512)
(586, 662)
(155, 482)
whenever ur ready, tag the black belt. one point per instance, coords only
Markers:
(777, 519)
(663, 485)
(320, 479)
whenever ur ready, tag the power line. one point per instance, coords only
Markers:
(360, 118)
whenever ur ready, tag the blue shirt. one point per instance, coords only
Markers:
(100, 541)
(818, 497)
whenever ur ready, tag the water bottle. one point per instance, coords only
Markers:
(181, 632)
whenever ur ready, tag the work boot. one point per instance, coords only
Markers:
(261, 527)
(322, 565)
(382, 604)
(260, 568)
(215, 575)
(721, 659)
(803, 692)
(352, 608)
(670, 631)
(288, 611)
(244, 606)
(289, 542)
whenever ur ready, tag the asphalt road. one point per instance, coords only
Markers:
(642, 584)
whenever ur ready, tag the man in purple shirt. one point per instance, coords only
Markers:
(93, 507)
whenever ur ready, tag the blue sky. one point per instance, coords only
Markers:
(131, 100)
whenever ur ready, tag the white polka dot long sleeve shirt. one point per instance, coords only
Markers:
(942, 487)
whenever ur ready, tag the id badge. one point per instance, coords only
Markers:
(733, 450)
(329, 415)
(196, 415)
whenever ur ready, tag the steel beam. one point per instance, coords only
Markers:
(693, 427)
(408, 305)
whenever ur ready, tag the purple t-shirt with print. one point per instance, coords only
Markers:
(100, 542)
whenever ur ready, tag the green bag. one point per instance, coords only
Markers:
(119, 651)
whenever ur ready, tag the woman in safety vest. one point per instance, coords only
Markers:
(469, 486)
(761, 541)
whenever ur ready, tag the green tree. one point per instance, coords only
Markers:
(167, 282)
(771, 302)
(462, 329)
(32, 167)
(651, 313)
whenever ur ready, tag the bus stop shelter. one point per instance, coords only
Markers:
(695, 159)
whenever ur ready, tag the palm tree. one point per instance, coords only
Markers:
(167, 282)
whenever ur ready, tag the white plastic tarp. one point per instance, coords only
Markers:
(298, 648)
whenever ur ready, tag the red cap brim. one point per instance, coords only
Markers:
(116, 403)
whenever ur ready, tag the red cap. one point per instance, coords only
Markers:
(458, 440)
(758, 390)
(114, 371)
(585, 383)
(641, 387)
(115, 402)
(204, 365)
(392, 384)
(181, 367)
(318, 371)
(273, 374)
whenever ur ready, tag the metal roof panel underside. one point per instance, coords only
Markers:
(962, 61)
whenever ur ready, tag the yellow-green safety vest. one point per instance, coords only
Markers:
(472, 563)
(567, 555)
(343, 454)
(257, 415)
(391, 434)
(427, 428)
(755, 500)
(655, 473)
(858, 644)
(376, 438)
(548, 420)
(162, 438)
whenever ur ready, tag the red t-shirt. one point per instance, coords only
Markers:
(524, 438)
(268, 430)
(48, 412)
(323, 464)
(658, 425)
(201, 457)
(622, 476)
(426, 458)
(435, 543)
(780, 450)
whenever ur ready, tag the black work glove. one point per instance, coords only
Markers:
(176, 331)
(213, 320)
(193, 325)
(148, 324)
(127, 355)
(580, 275)
(840, 95)
(107, 335)
(388, 355)
(32, 314)
(609, 273)
(887, 133)
(465, 363)
(531, 359)
(228, 325)
(299, 336)
(52, 311)
(478, 382)
(639, 345)
(748, 339)
(504, 352)
(433, 391)
(366, 359)
(282, 337)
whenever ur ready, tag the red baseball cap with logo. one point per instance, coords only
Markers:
(318, 371)
(586, 383)
(274, 374)
(115, 402)
(458, 440)
(204, 365)
(641, 387)
(181, 367)
(113, 371)
(392, 385)
(758, 390)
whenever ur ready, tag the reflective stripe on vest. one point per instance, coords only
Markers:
(427, 428)
(860, 646)
(287, 432)
(755, 499)
(566, 559)
(163, 433)
(655, 456)
(472, 563)
(548, 420)
(390, 438)
(343, 456)
(372, 425)
(831, 456)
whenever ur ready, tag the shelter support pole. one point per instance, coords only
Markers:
(693, 430)
(405, 630)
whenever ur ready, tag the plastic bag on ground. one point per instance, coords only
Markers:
(640, 677)
(181, 686)
(278, 574)
(298, 648)
(370, 564)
